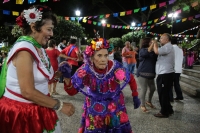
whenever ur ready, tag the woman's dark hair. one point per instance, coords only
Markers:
(51, 43)
(46, 15)
(145, 42)
(72, 41)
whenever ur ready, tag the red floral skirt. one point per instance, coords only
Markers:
(20, 117)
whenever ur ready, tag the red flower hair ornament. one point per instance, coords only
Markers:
(95, 45)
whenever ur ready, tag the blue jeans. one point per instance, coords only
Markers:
(131, 68)
(125, 64)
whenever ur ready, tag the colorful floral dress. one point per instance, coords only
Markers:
(104, 107)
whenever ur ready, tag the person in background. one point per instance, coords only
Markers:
(117, 54)
(60, 47)
(26, 106)
(131, 60)
(165, 72)
(72, 51)
(104, 108)
(190, 59)
(146, 72)
(124, 54)
(178, 53)
(53, 54)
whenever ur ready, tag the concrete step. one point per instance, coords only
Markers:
(190, 80)
(191, 72)
(196, 67)
(191, 90)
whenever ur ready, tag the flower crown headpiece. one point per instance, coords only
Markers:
(73, 37)
(96, 45)
(31, 15)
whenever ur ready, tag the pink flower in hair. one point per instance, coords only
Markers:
(120, 74)
(89, 51)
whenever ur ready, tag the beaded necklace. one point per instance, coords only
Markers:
(45, 61)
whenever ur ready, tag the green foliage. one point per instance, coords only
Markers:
(117, 42)
(133, 36)
(4, 32)
(180, 4)
(16, 31)
(67, 29)
(191, 44)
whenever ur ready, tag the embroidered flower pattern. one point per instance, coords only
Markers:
(32, 15)
(98, 107)
(120, 74)
(81, 73)
(98, 121)
(87, 121)
(112, 107)
(123, 117)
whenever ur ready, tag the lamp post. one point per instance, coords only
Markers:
(78, 13)
(172, 15)
(133, 25)
(103, 24)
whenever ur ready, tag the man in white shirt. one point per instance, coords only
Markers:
(178, 70)
(165, 72)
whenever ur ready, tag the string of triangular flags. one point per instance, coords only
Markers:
(20, 2)
(138, 26)
(129, 12)
(178, 34)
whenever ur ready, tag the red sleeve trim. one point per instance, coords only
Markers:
(31, 52)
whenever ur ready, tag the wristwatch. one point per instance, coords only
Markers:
(57, 105)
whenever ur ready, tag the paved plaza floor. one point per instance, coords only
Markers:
(186, 118)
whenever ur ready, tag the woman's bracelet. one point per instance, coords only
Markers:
(61, 105)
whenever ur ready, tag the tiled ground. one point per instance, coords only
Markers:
(186, 118)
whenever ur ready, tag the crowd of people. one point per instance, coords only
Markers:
(32, 73)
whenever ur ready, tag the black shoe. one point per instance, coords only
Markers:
(170, 114)
(178, 98)
(159, 115)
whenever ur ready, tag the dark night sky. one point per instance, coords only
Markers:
(68, 7)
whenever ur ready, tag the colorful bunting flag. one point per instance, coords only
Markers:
(171, 2)
(184, 19)
(162, 4)
(149, 22)
(162, 18)
(197, 16)
(73, 18)
(66, 18)
(152, 7)
(43, 0)
(155, 20)
(144, 23)
(94, 23)
(56, 0)
(115, 14)
(129, 12)
(85, 20)
(144, 8)
(31, 1)
(107, 15)
(6, 1)
(89, 21)
(6, 12)
(190, 18)
(14, 13)
(122, 13)
(136, 10)
(101, 16)
(178, 11)
(99, 24)
(108, 25)
(177, 21)
(19, 2)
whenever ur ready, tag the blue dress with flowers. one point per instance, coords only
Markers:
(104, 108)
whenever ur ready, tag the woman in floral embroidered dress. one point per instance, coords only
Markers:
(26, 106)
(104, 108)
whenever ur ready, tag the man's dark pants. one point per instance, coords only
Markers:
(177, 87)
(164, 84)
